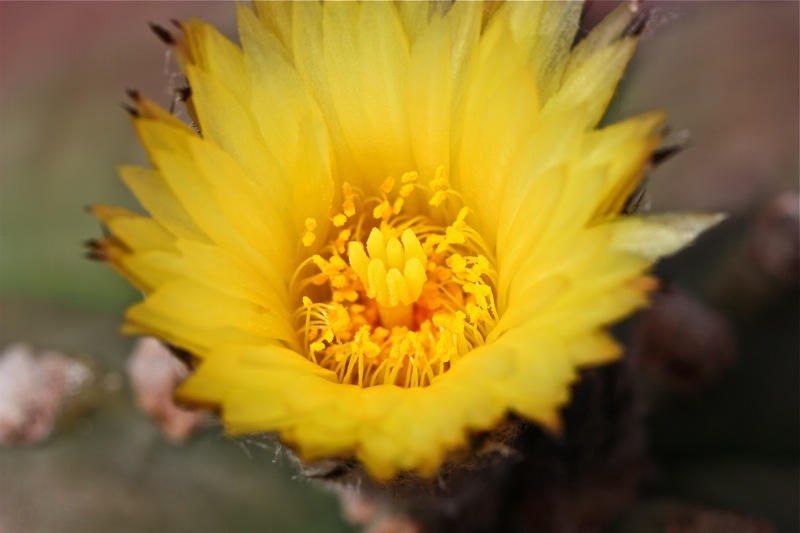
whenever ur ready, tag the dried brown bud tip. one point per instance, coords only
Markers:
(162, 34)
(133, 94)
(96, 251)
(184, 93)
(132, 111)
(639, 23)
(662, 154)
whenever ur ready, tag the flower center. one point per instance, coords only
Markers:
(394, 298)
(393, 274)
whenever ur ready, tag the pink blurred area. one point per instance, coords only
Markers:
(727, 72)
(44, 38)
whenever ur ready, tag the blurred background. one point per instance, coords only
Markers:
(724, 433)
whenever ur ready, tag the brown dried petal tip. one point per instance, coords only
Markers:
(639, 23)
(184, 93)
(95, 250)
(662, 154)
(165, 36)
(133, 94)
(132, 111)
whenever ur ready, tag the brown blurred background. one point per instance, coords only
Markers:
(727, 73)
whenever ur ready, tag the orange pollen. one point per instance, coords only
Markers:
(392, 298)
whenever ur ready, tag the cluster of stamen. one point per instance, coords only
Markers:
(394, 298)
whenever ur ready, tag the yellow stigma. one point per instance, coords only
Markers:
(393, 273)
(396, 299)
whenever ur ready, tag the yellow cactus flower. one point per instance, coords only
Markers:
(391, 225)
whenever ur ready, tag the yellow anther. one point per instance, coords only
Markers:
(341, 319)
(383, 210)
(409, 177)
(409, 347)
(337, 263)
(438, 198)
(340, 244)
(481, 265)
(307, 302)
(363, 341)
(380, 334)
(439, 181)
(318, 261)
(451, 327)
(473, 312)
(457, 262)
(397, 206)
(339, 220)
(348, 205)
(440, 187)
(387, 185)
(454, 323)
(454, 233)
(431, 244)
(478, 289)
(406, 190)
(316, 346)
(308, 236)
(347, 295)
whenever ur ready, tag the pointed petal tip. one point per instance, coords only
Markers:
(664, 234)
(162, 33)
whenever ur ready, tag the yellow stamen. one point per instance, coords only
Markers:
(387, 185)
(308, 236)
(409, 177)
(399, 311)
(348, 205)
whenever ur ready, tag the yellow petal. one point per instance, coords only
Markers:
(183, 302)
(659, 235)
(428, 93)
(501, 110)
(155, 195)
(545, 30)
(592, 84)
(366, 57)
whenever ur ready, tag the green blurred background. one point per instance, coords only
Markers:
(725, 71)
